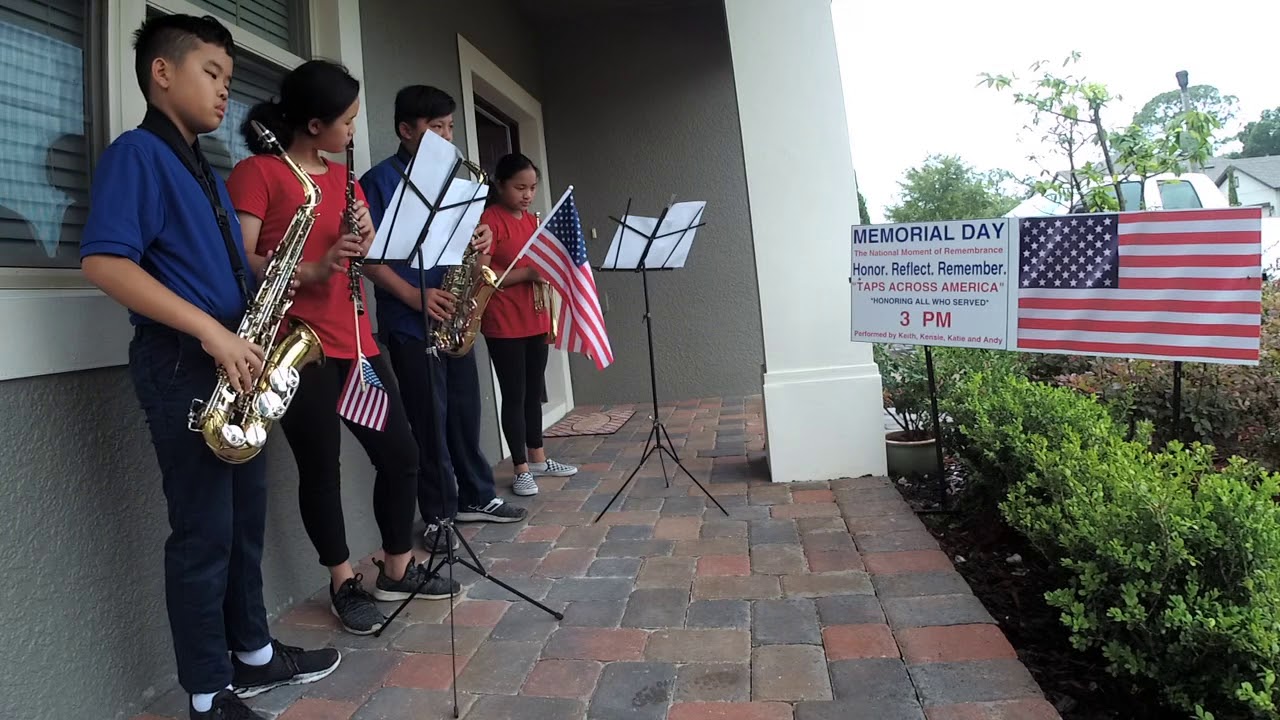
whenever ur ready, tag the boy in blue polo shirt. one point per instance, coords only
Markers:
(467, 492)
(162, 239)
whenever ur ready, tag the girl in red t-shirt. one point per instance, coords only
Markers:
(318, 104)
(514, 330)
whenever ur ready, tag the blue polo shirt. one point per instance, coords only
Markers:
(147, 206)
(394, 317)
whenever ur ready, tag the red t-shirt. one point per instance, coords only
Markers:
(263, 186)
(510, 312)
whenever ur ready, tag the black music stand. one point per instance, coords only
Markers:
(654, 257)
(452, 203)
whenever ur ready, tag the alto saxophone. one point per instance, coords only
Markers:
(235, 425)
(471, 286)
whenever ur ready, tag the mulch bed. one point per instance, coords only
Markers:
(1011, 579)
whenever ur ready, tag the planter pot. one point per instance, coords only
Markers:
(909, 457)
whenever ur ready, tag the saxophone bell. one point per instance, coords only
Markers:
(235, 425)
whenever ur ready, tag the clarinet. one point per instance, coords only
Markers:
(353, 267)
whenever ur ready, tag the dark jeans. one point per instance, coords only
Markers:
(217, 514)
(454, 397)
(520, 364)
(314, 430)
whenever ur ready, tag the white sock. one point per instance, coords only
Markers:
(203, 702)
(258, 657)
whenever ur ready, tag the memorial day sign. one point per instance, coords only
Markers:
(942, 284)
(1167, 285)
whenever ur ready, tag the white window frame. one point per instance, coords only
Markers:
(52, 319)
(478, 71)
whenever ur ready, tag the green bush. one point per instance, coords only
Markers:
(1172, 567)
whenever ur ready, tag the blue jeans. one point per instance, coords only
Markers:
(217, 515)
(454, 397)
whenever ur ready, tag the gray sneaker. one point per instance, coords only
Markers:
(525, 485)
(551, 468)
(434, 540)
(497, 511)
(435, 587)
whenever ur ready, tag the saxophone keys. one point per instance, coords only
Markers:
(233, 436)
(256, 436)
(270, 405)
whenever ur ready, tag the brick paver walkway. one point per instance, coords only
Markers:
(810, 601)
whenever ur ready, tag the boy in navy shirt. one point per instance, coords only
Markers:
(467, 492)
(162, 239)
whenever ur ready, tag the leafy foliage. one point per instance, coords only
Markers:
(945, 187)
(1262, 136)
(1165, 108)
(1068, 113)
(1171, 566)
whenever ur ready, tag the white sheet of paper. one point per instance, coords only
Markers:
(468, 196)
(628, 245)
(406, 214)
(675, 248)
(671, 251)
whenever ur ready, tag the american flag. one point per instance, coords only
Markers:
(560, 254)
(1165, 285)
(364, 403)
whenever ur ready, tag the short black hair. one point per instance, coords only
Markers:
(422, 102)
(172, 37)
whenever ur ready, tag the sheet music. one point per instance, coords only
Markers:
(629, 245)
(670, 248)
(396, 238)
(681, 215)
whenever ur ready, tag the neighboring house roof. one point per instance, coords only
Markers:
(1265, 170)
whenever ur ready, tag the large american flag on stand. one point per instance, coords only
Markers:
(560, 253)
(1166, 285)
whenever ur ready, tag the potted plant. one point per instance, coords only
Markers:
(910, 450)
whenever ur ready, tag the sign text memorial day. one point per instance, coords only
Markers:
(943, 283)
(1166, 285)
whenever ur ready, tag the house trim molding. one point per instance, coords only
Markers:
(478, 72)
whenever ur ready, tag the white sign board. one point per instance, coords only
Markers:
(942, 284)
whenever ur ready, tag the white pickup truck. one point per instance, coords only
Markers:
(1167, 192)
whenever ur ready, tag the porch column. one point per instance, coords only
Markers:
(822, 401)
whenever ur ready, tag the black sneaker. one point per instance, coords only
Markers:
(434, 540)
(496, 511)
(355, 608)
(289, 666)
(435, 588)
(226, 706)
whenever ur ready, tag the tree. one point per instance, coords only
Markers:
(945, 187)
(864, 217)
(1261, 137)
(1165, 108)
(1068, 112)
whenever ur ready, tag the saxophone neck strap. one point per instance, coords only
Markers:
(194, 160)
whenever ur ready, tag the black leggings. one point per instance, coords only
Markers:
(520, 364)
(314, 430)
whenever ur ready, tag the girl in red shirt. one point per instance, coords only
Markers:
(317, 106)
(514, 330)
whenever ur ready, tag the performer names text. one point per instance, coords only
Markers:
(941, 284)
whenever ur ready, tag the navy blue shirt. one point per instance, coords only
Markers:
(394, 317)
(146, 205)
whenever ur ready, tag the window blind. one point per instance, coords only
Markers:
(272, 20)
(44, 132)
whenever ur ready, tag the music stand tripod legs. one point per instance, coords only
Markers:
(658, 441)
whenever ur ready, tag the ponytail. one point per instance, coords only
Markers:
(270, 115)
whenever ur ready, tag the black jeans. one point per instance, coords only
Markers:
(217, 515)
(520, 364)
(314, 430)
(446, 419)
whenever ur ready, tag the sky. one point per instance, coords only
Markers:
(910, 70)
